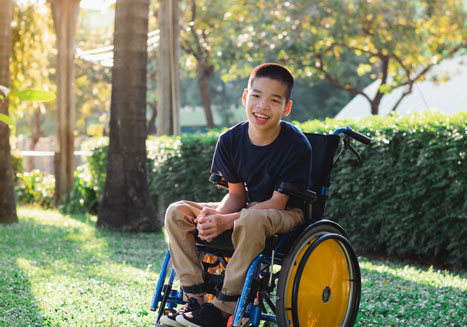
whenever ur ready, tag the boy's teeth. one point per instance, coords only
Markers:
(261, 116)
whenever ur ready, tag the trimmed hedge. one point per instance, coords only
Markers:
(180, 170)
(407, 198)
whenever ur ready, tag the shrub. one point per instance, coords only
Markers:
(180, 170)
(17, 162)
(407, 198)
(35, 188)
(88, 184)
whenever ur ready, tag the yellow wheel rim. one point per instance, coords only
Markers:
(324, 287)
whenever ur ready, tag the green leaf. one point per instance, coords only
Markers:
(34, 95)
(7, 120)
(384, 88)
(363, 69)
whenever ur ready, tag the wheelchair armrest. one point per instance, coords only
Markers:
(291, 190)
(219, 181)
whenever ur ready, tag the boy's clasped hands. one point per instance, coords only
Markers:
(211, 223)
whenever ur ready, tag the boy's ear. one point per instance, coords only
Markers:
(244, 96)
(288, 108)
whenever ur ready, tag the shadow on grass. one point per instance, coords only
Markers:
(74, 245)
(69, 262)
(140, 250)
(18, 305)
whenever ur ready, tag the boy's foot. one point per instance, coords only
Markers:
(169, 319)
(206, 316)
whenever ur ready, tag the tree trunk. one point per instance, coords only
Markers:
(126, 204)
(65, 15)
(151, 128)
(7, 194)
(374, 107)
(168, 69)
(204, 72)
(35, 136)
(375, 102)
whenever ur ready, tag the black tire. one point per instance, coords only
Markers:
(319, 282)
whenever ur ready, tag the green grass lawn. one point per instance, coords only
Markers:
(58, 270)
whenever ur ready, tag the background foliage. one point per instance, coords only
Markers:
(406, 199)
(32, 64)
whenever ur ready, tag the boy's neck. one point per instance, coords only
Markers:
(263, 138)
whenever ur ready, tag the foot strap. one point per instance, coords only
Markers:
(195, 289)
(227, 298)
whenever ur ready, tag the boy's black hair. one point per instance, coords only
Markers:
(276, 72)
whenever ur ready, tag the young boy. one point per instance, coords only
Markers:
(254, 157)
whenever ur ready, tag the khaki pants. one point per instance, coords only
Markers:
(248, 237)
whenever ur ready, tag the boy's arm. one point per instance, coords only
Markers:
(277, 201)
(235, 200)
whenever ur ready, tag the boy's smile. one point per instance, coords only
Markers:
(265, 104)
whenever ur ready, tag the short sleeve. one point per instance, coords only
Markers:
(222, 162)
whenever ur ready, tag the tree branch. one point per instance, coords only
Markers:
(402, 97)
(411, 81)
(335, 82)
(399, 60)
(199, 52)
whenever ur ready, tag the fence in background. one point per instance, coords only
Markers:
(44, 160)
(43, 156)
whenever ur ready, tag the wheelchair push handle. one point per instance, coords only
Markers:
(354, 134)
(358, 136)
(351, 134)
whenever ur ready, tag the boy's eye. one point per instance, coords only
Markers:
(255, 95)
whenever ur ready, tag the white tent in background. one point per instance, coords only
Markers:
(448, 97)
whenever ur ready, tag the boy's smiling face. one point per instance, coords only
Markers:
(266, 104)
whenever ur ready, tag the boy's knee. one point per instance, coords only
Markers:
(251, 228)
(174, 211)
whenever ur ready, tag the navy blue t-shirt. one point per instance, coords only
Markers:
(263, 168)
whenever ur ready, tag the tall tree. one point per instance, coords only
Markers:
(205, 39)
(168, 65)
(126, 204)
(7, 195)
(65, 15)
(195, 43)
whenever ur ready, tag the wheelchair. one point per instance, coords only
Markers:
(307, 277)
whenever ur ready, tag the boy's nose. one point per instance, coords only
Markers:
(263, 104)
